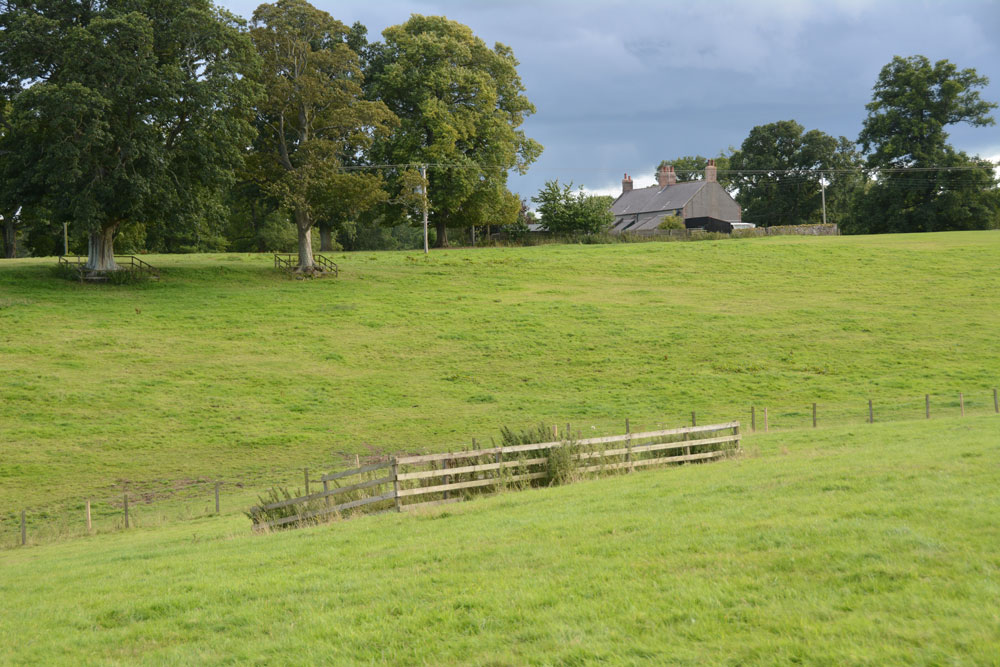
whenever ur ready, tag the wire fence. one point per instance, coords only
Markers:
(126, 505)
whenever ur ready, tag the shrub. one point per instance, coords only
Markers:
(561, 463)
(260, 516)
(671, 222)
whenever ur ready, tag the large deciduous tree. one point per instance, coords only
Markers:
(775, 172)
(122, 111)
(314, 119)
(461, 105)
(922, 183)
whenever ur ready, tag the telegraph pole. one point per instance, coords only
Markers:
(423, 189)
(822, 184)
(65, 239)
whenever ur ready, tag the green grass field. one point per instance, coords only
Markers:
(227, 370)
(868, 545)
(850, 543)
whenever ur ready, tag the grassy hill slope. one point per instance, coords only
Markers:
(862, 545)
(228, 370)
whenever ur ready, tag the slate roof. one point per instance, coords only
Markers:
(656, 199)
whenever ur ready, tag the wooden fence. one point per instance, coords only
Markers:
(408, 482)
(290, 262)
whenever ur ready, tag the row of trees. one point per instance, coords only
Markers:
(174, 125)
(901, 175)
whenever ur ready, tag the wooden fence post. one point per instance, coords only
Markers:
(765, 421)
(961, 402)
(499, 460)
(753, 419)
(814, 415)
(927, 405)
(217, 497)
(871, 413)
(24, 530)
(555, 432)
(996, 403)
(447, 478)
(305, 471)
(628, 447)
(88, 516)
(395, 483)
(326, 489)
(694, 421)
(126, 510)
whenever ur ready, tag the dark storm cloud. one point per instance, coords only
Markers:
(620, 86)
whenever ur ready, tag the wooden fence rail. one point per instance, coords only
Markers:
(430, 479)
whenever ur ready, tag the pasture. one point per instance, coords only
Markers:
(227, 370)
(845, 545)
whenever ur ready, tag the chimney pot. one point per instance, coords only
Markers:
(663, 176)
(626, 184)
(710, 172)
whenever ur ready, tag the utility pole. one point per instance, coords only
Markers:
(65, 239)
(822, 184)
(423, 190)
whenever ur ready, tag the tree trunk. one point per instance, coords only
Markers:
(101, 250)
(304, 224)
(442, 235)
(326, 239)
(9, 237)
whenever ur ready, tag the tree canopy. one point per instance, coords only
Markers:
(314, 119)
(564, 211)
(122, 113)
(460, 105)
(774, 171)
(922, 182)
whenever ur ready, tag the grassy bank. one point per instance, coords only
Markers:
(867, 545)
(228, 370)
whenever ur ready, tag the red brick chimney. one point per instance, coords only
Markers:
(626, 184)
(710, 171)
(666, 176)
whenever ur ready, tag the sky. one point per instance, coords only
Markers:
(620, 86)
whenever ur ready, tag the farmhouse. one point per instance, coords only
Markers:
(702, 203)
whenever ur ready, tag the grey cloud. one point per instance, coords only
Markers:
(620, 86)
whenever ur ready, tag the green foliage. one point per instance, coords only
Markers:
(779, 186)
(122, 113)
(561, 464)
(566, 212)
(509, 437)
(313, 120)
(671, 222)
(259, 516)
(460, 105)
(913, 102)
